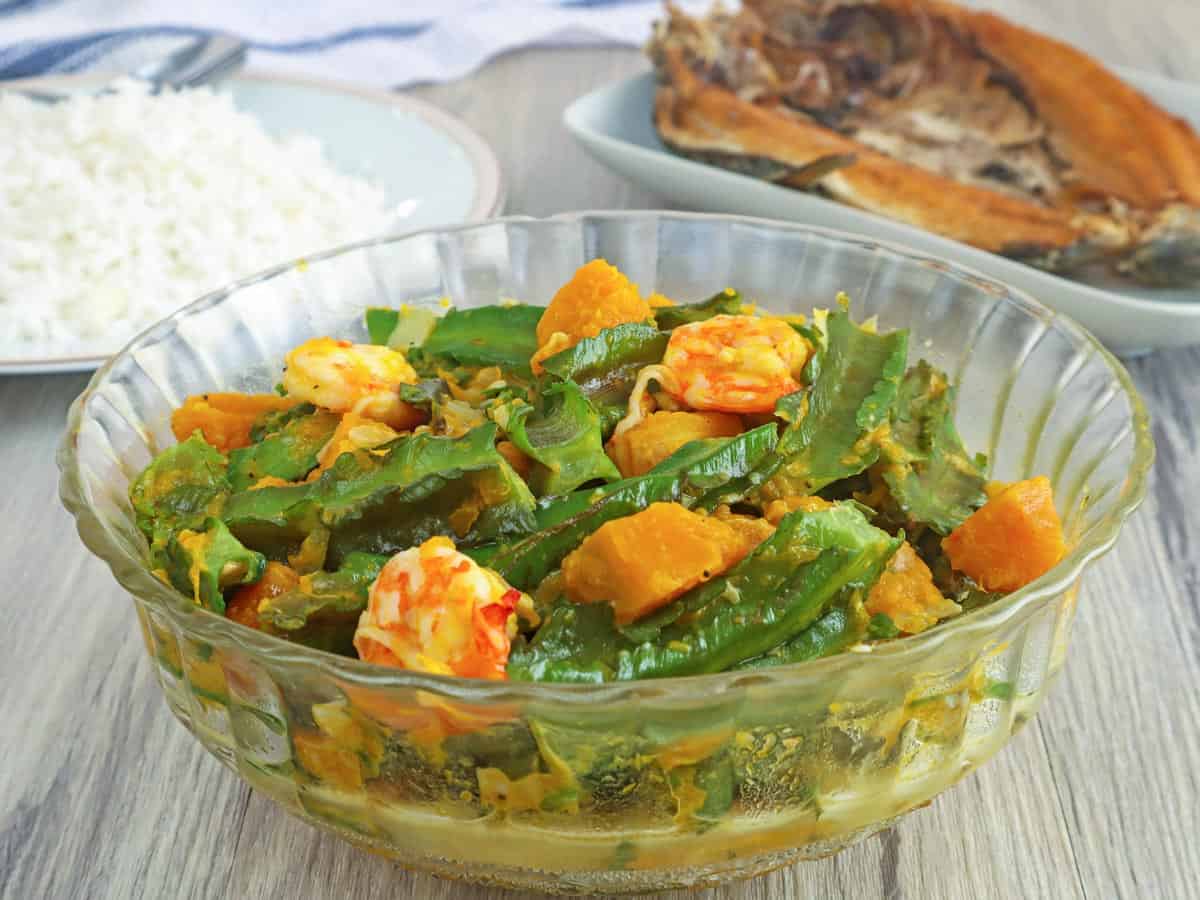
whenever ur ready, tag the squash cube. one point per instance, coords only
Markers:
(598, 296)
(1012, 539)
(905, 592)
(660, 434)
(225, 419)
(644, 561)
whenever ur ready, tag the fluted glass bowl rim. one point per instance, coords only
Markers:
(135, 576)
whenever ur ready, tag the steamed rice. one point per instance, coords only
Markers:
(116, 209)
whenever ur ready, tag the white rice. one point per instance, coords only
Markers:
(116, 209)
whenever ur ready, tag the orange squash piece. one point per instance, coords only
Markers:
(750, 529)
(225, 419)
(646, 560)
(905, 592)
(598, 296)
(521, 463)
(639, 449)
(1012, 539)
(775, 510)
(243, 605)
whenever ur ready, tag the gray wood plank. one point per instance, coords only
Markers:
(516, 105)
(1124, 739)
(102, 794)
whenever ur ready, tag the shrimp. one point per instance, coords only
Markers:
(345, 377)
(432, 609)
(737, 364)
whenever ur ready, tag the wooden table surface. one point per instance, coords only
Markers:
(103, 794)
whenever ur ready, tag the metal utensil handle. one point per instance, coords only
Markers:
(207, 59)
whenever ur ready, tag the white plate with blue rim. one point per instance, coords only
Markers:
(432, 168)
(615, 125)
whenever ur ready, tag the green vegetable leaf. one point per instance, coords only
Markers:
(881, 627)
(705, 465)
(323, 611)
(551, 511)
(425, 393)
(577, 642)
(203, 563)
(832, 424)
(275, 520)
(504, 336)
(564, 521)
(840, 539)
(184, 485)
(855, 381)
(728, 303)
(792, 407)
(840, 627)
(381, 322)
(289, 453)
(786, 584)
(423, 486)
(928, 471)
(606, 366)
(357, 571)
(694, 466)
(393, 498)
(610, 763)
(713, 778)
(562, 434)
(274, 420)
(525, 563)
(400, 329)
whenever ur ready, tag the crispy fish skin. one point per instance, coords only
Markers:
(1117, 177)
(693, 117)
(1119, 143)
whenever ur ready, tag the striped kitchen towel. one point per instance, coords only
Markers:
(383, 44)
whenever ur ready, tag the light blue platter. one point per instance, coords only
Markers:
(615, 125)
(432, 168)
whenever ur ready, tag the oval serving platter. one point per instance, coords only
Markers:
(614, 124)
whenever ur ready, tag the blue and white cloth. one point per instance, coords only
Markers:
(365, 41)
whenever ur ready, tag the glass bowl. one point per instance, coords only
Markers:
(608, 787)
